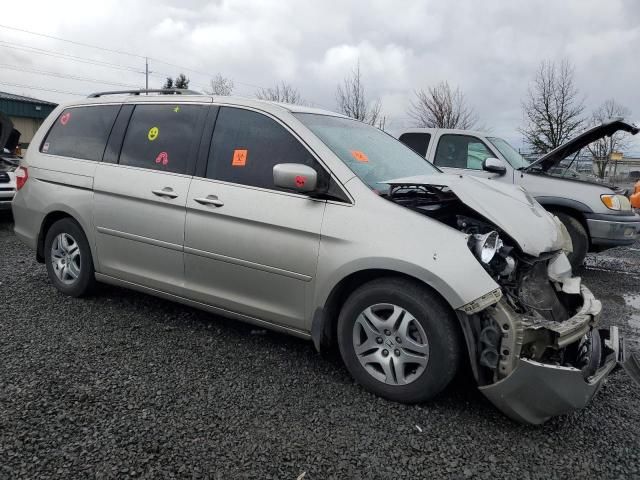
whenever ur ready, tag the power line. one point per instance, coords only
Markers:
(121, 52)
(53, 53)
(71, 77)
(43, 89)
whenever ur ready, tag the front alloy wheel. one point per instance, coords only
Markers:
(399, 339)
(390, 344)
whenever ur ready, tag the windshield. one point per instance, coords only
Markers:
(371, 154)
(509, 153)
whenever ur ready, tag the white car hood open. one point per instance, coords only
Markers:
(509, 207)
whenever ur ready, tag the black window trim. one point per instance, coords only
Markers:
(207, 154)
(435, 152)
(69, 107)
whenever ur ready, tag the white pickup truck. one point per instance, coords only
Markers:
(598, 216)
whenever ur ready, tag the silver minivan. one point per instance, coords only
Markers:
(597, 215)
(317, 225)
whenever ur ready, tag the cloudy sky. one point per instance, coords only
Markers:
(490, 49)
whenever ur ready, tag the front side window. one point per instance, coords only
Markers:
(509, 153)
(246, 145)
(371, 154)
(81, 132)
(161, 137)
(461, 151)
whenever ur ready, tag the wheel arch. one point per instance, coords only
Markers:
(51, 218)
(325, 318)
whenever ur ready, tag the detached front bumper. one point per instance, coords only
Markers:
(535, 392)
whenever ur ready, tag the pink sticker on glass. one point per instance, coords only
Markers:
(65, 118)
(162, 158)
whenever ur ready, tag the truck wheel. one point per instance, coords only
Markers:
(68, 258)
(399, 340)
(579, 238)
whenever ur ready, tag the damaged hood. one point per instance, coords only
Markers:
(508, 207)
(9, 136)
(576, 144)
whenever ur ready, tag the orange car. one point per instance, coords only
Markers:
(635, 197)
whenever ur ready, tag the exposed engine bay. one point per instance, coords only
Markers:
(545, 314)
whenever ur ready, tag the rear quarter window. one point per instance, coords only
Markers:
(81, 132)
(418, 142)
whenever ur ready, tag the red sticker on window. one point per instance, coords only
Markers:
(163, 158)
(239, 158)
(300, 181)
(359, 156)
(65, 118)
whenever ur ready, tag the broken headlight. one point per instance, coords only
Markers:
(486, 246)
(490, 250)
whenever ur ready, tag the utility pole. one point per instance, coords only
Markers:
(146, 74)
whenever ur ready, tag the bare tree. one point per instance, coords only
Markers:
(352, 101)
(441, 107)
(602, 149)
(553, 110)
(283, 92)
(221, 86)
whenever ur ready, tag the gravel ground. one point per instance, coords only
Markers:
(127, 385)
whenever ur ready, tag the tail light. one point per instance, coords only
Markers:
(22, 175)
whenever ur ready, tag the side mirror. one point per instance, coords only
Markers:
(494, 165)
(295, 176)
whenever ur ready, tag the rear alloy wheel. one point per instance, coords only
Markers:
(399, 340)
(68, 258)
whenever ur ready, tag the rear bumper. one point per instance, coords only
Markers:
(6, 196)
(613, 230)
(535, 392)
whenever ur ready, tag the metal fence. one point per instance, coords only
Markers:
(623, 171)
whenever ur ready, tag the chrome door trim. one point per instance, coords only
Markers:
(246, 263)
(140, 238)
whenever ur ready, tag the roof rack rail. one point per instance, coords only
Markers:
(166, 91)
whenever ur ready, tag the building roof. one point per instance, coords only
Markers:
(20, 98)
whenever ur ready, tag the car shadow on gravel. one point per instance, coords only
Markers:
(461, 393)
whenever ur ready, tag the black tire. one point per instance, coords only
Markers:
(85, 281)
(579, 238)
(434, 316)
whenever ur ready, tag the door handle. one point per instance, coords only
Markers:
(210, 200)
(165, 192)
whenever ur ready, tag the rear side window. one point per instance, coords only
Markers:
(81, 132)
(246, 145)
(162, 137)
(418, 142)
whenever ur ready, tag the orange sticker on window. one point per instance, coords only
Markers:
(359, 156)
(239, 158)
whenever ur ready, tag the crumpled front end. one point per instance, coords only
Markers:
(538, 352)
(534, 392)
